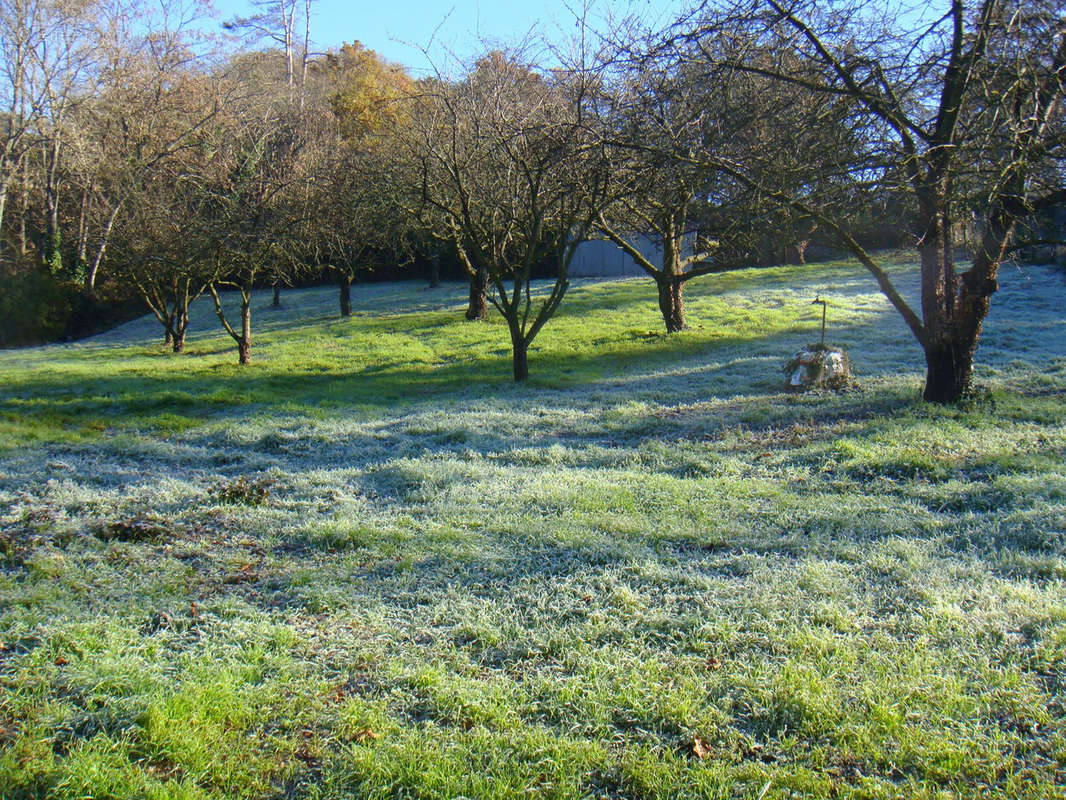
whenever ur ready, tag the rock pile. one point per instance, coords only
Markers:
(818, 366)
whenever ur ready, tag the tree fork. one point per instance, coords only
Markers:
(181, 326)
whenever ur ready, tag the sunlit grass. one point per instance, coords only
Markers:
(646, 574)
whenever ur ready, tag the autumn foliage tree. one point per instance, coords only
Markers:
(362, 213)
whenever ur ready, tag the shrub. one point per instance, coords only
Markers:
(34, 308)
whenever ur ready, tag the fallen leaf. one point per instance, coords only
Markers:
(366, 735)
(714, 663)
(699, 749)
(60, 661)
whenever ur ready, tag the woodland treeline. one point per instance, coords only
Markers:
(145, 157)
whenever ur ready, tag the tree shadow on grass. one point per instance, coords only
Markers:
(385, 386)
(646, 387)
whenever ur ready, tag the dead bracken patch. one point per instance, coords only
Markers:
(134, 529)
(242, 490)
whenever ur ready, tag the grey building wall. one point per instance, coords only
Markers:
(600, 258)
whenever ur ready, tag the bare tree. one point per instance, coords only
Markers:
(157, 256)
(23, 28)
(960, 109)
(165, 244)
(357, 221)
(50, 51)
(153, 102)
(250, 214)
(362, 208)
(513, 171)
(280, 21)
(658, 114)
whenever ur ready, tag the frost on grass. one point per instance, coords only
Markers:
(456, 587)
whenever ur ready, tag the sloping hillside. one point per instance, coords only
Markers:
(368, 565)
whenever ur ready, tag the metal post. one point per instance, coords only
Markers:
(824, 304)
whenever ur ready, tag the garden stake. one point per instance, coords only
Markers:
(824, 304)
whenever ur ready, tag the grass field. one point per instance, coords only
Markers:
(369, 566)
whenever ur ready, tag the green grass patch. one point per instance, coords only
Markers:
(368, 565)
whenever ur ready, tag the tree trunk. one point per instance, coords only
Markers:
(98, 259)
(93, 269)
(81, 259)
(954, 306)
(277, 296)
(345, 283)
(671, 287)
(672, 303)
(949, 359)
(434, 272)
(287, 22)
(244, 343)
(53, 254)
(244, 338)
(949, 370)
(520, 358)
(477, 309)
(965, 300)
(937, 256)
(3, 207)
(797, 253)
(24, 239)
(305, 57)
(181, 325)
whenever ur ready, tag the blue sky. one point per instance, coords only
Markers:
(397, 29)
